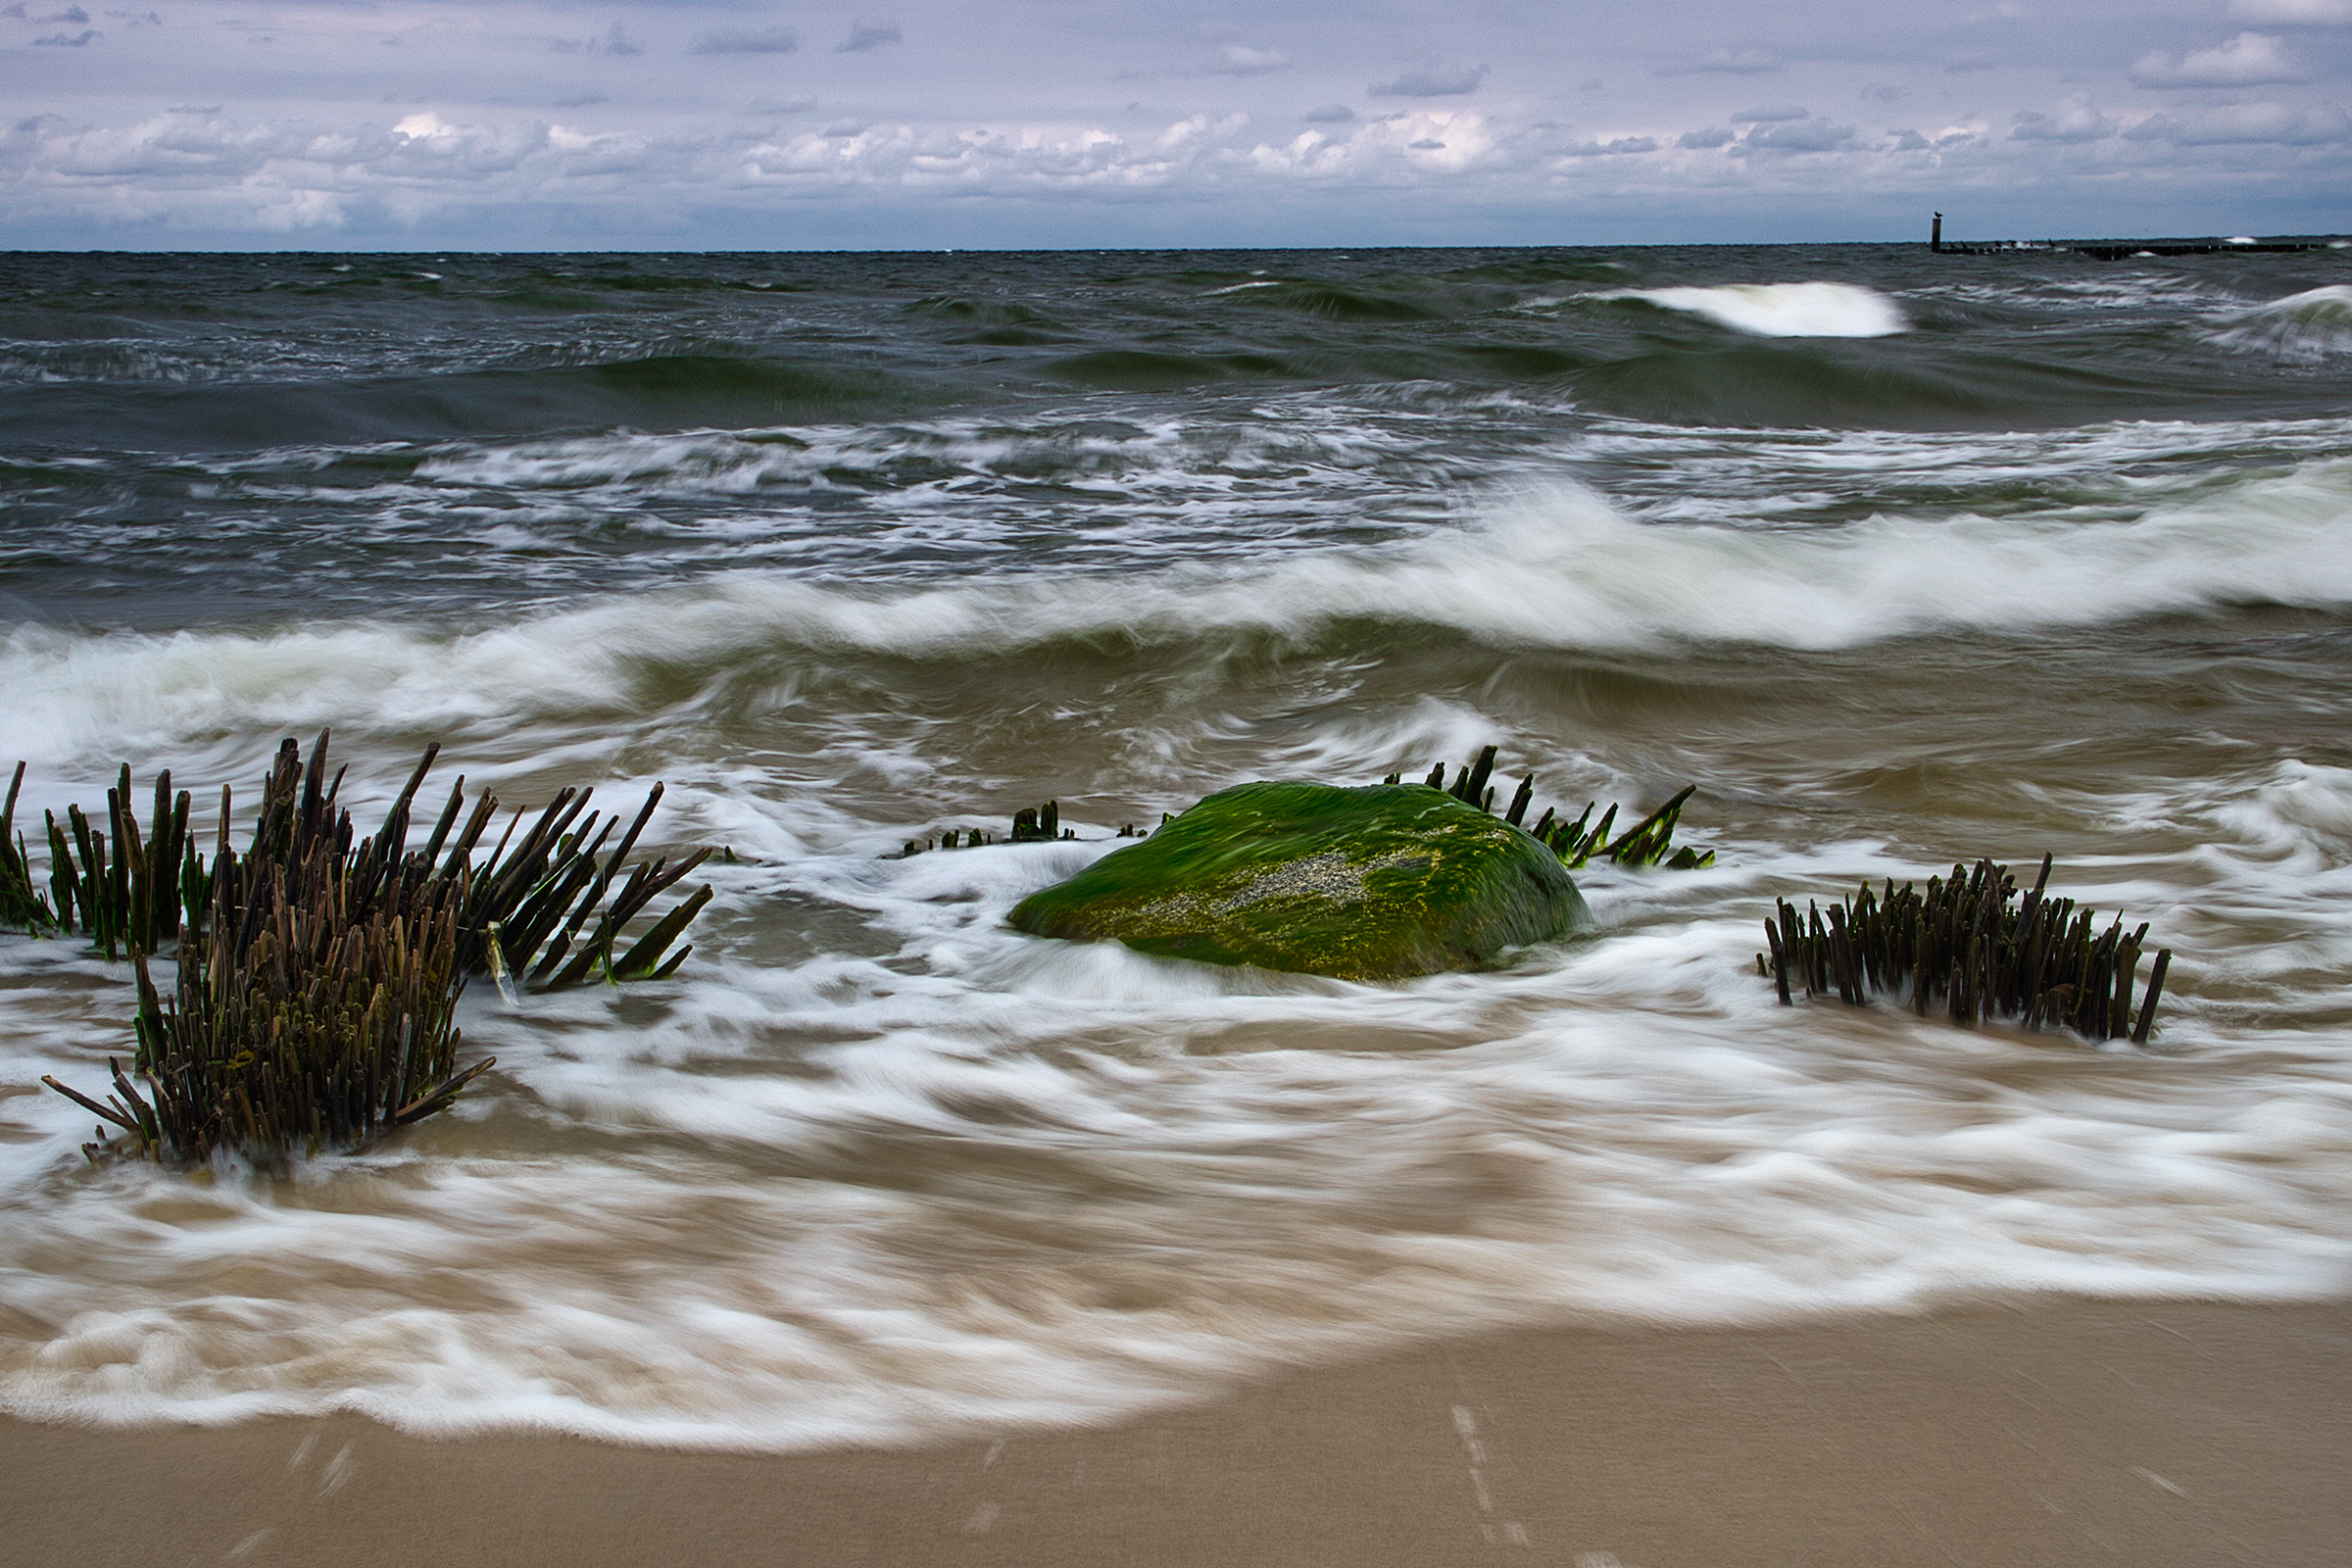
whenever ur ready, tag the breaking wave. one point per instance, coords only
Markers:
(1780, 309)
(2303, 329)
(1550, 569)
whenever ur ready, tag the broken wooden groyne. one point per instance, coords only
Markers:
(2119, 250)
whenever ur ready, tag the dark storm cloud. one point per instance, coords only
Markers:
(614, 40)
(1431, 78)
(867, 36)
(749, 41)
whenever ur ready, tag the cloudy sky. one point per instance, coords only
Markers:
(726, 123)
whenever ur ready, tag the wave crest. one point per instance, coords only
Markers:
(1780, 309)
(2303, 329)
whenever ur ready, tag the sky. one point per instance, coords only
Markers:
(724, 124)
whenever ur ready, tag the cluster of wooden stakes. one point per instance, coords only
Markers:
(318, 972)
(1972, 948)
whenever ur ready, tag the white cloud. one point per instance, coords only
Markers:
(1813, 134)
(2076, 119)
(2245, 61)
(749, 41)
(2295, 13)
(1432, 79)
(2261, 123)
(1031, 118)
(1239, 60)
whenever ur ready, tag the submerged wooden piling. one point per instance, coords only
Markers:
(1969, 948)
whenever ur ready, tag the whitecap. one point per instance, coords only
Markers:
(1780, 309)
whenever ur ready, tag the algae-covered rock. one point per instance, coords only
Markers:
(1378, 883)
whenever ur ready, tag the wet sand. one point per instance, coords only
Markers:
(2049, 1431)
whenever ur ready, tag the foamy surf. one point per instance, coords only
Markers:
(1780, 309)
(964, 1180)
(1556, 570)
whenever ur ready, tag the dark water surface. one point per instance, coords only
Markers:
(1898, 558)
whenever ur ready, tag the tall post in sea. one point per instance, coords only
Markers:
(1935, 234)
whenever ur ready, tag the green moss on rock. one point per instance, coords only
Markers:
(1380, 883)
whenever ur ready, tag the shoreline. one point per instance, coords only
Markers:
(2045, 1431)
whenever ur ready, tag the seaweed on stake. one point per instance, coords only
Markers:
(319, 977)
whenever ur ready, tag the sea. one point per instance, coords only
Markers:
(1901, 560)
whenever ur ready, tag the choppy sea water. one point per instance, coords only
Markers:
(1900, 559)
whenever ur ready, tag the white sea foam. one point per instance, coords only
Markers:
(966, 1179)
(1556, 569)
(1780, 309)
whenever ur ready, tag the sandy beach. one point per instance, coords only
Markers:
(2050, 1432)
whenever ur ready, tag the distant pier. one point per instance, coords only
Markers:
(2120, 250)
